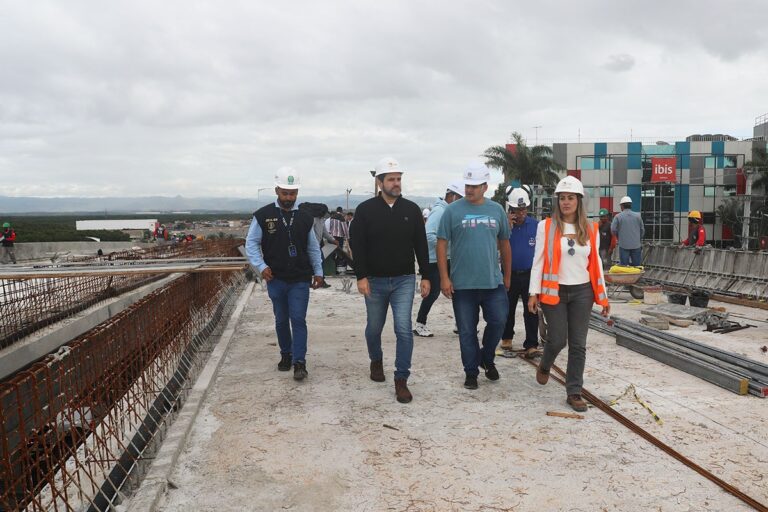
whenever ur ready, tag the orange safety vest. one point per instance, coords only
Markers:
(550, 282)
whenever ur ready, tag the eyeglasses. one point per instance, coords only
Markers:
(571, 243)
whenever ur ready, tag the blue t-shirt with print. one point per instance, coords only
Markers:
(473, 231)
(522, 240)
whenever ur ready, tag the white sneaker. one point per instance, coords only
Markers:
(421, 330)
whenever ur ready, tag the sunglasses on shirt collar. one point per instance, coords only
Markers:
(571, 243)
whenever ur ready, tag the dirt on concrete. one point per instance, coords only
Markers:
(339, 441)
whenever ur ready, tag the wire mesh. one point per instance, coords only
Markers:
(75, 425)
(28, 305)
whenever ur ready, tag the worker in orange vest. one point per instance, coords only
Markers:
(566, 280)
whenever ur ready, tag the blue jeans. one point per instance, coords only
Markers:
(397, 292)
(630, 256)
(289, 302)
(466, 308)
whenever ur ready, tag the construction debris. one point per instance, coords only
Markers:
(660, 323)
(571, 415)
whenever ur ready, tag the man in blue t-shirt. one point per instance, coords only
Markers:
(478, 231)
(522, 241)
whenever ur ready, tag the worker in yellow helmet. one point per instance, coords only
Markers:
(696, 234)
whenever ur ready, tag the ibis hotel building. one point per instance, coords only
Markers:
(664, 180)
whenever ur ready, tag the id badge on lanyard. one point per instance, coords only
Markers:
(292, 251)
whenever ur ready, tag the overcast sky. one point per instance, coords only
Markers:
(203, 98)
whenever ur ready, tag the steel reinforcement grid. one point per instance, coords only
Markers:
(28, 305)
(75, 426)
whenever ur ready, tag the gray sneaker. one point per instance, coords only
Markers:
(421, 330)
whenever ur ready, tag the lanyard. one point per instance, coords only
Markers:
(288, 225)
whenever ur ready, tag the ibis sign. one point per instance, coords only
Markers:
(664, 169)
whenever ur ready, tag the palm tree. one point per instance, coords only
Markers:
(531, 165)
(759, 163)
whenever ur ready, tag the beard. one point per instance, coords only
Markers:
(286, 203)
(392, 192)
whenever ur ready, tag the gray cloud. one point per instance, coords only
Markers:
(620, 62)
(202, 98)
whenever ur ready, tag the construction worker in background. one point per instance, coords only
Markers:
(607, 238)
(566, 279)
(386, 233)
(629, 229)
(426, 213)
(478, 232)
(522, 241)
(282, 246)
(455, 191)
(697, 236)
(7, 239)
(340, 232)
(161, 234)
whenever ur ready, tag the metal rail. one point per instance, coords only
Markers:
(29, 305)
(74, 426)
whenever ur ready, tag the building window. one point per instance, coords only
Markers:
(708, 217)
(709, 162)
(709, 190)
(606, 191)
(729, 162)
(729, 190)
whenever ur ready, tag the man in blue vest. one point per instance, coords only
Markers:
(282, 246)
(522, 240)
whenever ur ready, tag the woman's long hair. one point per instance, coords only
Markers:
(582, 225)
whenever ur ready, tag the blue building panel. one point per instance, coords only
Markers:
(634, 193)
(601, 151)
(682, 198)
(635, 155)
(718, 149)
(683, 152)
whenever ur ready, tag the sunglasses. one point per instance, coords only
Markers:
(571, 243)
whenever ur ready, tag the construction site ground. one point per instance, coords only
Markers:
(339, 441)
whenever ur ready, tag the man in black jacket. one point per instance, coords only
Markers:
(282, 246)
(386, 233)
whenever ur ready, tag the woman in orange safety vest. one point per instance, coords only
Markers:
(566, 280)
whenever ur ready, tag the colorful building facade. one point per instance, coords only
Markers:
(664, 180)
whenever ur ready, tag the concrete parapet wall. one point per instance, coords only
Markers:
(721, 270)
(44, 250)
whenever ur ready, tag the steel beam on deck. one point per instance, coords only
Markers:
(723, 378)
(122, 268)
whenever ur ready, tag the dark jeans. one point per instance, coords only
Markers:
(433, 275)
(518, 289)
(568, 322)
(466, 308)
(397, 292)
(289, 303)
(630, 256)
(605, 257)
(338, 256)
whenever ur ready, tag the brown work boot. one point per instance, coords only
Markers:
(542, 375)
(377, 371)
(401, 391)
(506, 345)
(577, 403)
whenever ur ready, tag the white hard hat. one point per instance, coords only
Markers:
(571, 185)
(425, 212)
(287, 178)
(626, 200)
(387, 165)
(457, 188)
(518, 198)
(476, 173)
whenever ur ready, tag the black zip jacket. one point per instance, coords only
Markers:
(384, 239)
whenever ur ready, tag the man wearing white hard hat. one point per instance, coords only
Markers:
(629, 229)
(478, 231)
(522, 241)
(453, 192)
(386, 233)
(282, 246)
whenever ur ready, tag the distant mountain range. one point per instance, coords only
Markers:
(162, 204)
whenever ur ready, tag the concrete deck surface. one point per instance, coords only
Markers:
(339, 441)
